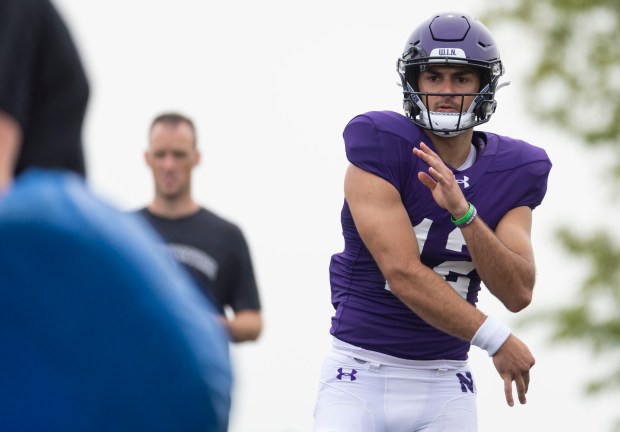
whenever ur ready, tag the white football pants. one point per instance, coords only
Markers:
(365, 391)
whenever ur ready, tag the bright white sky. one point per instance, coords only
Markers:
(271, 84)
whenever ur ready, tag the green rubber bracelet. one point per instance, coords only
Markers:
(467, 217)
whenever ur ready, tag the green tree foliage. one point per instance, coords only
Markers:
(575, 84)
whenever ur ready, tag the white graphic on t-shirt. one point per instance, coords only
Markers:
(194, 258)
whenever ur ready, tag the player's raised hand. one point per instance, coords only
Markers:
(513, 361)
(440, 180)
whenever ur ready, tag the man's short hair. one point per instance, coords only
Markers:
(174, 119)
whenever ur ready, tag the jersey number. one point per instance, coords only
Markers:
(454, 272)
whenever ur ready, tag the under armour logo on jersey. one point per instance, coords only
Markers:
(467, 382)
(351, 374)
(464, 181)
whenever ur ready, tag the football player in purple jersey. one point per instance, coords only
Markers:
(432, 210)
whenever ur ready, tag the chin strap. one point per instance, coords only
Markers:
(444, 124)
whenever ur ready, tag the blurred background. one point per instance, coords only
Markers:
(272, 84)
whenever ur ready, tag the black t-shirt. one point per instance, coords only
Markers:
(42, 84)
(215, 252)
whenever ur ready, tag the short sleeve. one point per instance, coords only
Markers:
(538, 174)
(245, 288)
(375, 150)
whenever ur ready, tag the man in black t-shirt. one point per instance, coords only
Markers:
(43, 91)
(213, 249)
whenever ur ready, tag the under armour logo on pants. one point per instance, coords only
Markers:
(351, 374)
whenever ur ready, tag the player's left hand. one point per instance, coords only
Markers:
(440, 180)
(513, 362)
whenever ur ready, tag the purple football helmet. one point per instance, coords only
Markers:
(450, 38)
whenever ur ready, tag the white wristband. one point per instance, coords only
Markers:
(491, 335)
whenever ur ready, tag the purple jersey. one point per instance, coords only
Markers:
(507, 173)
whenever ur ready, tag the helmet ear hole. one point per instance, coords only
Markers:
(408, 106)
(485, 109)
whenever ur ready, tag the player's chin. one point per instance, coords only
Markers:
(170, 192)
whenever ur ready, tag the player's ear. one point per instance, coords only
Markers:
(197, 157)
(147, 157)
